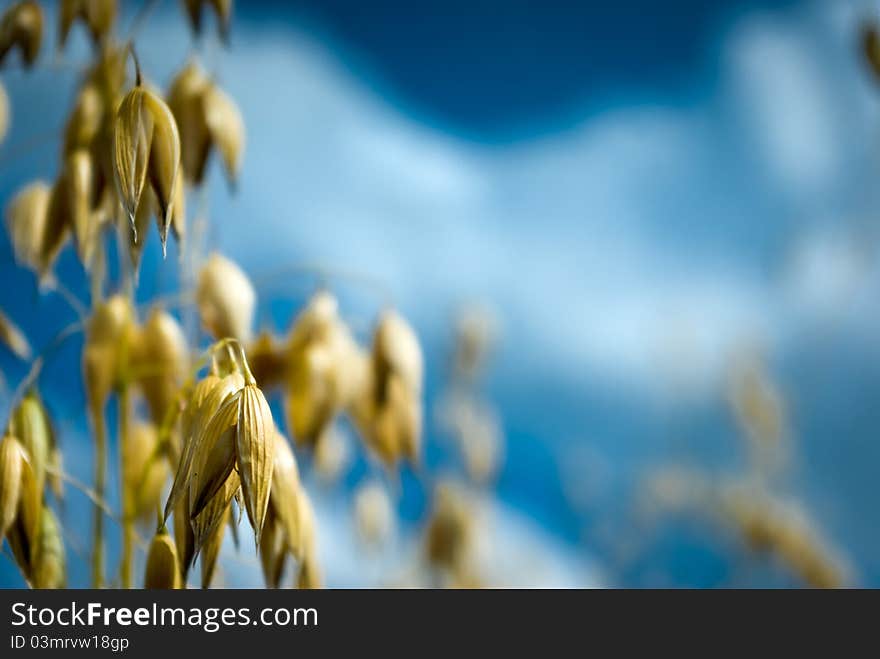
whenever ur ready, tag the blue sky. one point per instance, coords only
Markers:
(640, 193)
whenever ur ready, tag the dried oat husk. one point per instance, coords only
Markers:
(222, 9)
(11, 466)
(49, 570)
(319, 383)
(160, 359)
(108, 336)
(81, 184)
(226, 128)
(29, 424)
(146, 153)
(283, 504)
(215, 513)
(13, 338)
(214, 455)
(388, 408)
(184, 539)
(207, 398)
(273, 551)
(26, 218)
(5, 112)
(163, 568)
(144, 475)
(85, 121)
(255, 453)
(185, 98)
(226, 300)
(309, 575)
(57, 227)
(267, 358)
(24, 533)
(373, 514)
(449, 534)
(22, 26)
(211, 550)
(97, 15)
(332, 454)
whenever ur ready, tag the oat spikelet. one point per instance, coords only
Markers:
(144, 477)
(283, 497)
(49, 561)
(108, 334)
(30, 425)
(26, 221)
(11, 466)
(374, 517)
(147, 150)
(163, 568)
(226, 127)
(98, 16)
(207, 398)
(22, 26)
(255, 454)
(211, 550)
(13, 338)
(222, 9)
(226, 299)
(160, 358)
(79, 173)
(319, 353)
(214, 456)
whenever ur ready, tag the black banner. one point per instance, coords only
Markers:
(259, 623)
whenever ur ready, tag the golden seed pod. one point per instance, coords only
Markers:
(98, 16)
(163, 569)
(318, 375)
(309, 575)
(214, 456)
(85, 121)
(388, 407)
(49, 561)
(332, 454)
(11, 466)
(255, 454)
(185, 98)
(30, 425)
(396, 350)
(373, 514)
(207, 398)
(222, 8)
(26, 218)
(59, 221)
(211, 550)
(450, 529)
(267, 358)
(4, 113)
(273, 551)
(205, 523)
(144, 475)
(226, 299)
(80, 175)
(13, 338)
(147, 148)
(160, 358)
(184, 539)
(108, 335)
(30, 504)
(476, 332)
(283, 504)
(226, 127)
(56, 468)
(22, 26)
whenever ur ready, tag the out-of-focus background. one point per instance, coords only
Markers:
(669, 211)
